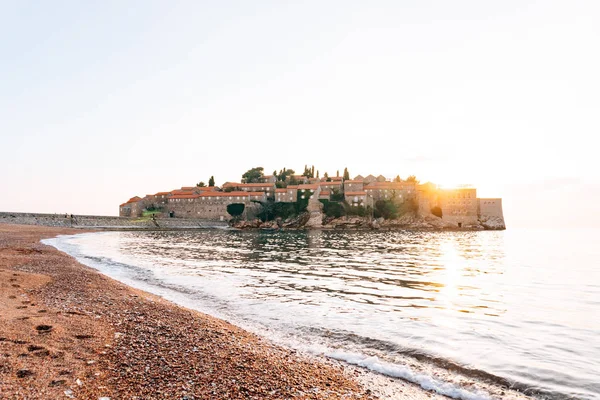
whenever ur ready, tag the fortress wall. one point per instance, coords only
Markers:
(208, 208)
(490, 208)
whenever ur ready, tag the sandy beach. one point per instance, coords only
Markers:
(67, 331)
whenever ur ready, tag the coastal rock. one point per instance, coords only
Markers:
(315, 220)
(492, 223)
(241, 224)
(297, 222)
(270, 225)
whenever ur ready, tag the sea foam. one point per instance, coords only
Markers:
(427, 382)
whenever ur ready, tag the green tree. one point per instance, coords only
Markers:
(333, 209)
(284, 173)
(303, 198)
(337, 173)
(386, 209)
(284, 210)
(236, 209)
(200, 184)
(337, 195)
(254, 175)
(317, 173)
(211, 181)
(267, 210)
(326, 176)
(280, 184)
(397, 179)
(346, 174)
(412, 179)
(306, 172)
(312, 172)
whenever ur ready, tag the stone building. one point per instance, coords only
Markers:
(399, 191)
(269, 179)
(331, 185)
(268, 188)
(354, 186)
(325, 195)
(161, 198)
(211, 204)
(132, 208)
(356, 198)
(427, 196)
(286, 195)
(490, 208)
(459, 206)
(369, 179)
(301, 179)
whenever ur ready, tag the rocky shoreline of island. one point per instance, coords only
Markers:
(406, 222)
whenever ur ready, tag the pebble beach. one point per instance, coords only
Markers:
(67, 331)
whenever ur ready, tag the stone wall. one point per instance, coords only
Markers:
(459, 206)
(107, 222)
(210, 208)
(490, 208)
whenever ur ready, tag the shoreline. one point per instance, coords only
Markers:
(67, 331)
(111, 223)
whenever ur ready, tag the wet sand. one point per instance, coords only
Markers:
(67, 331)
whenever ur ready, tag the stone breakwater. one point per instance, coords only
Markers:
(104, 222)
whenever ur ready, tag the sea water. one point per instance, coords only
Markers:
(459, 313)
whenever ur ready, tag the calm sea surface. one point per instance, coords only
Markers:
(453, 311)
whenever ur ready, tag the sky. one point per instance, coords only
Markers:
(101, 101)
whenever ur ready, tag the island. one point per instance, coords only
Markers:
(285, 200)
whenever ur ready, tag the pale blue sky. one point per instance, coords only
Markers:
(100, 101)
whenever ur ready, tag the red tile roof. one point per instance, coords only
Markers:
(355, 194)
(184, 196)
(280, 190)
(231, 194)
(330, 183)
(133, 200)
(325, 193)
(182, 193)
(293, 187)
(162, 193)
(355, 181)
(310, 186)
